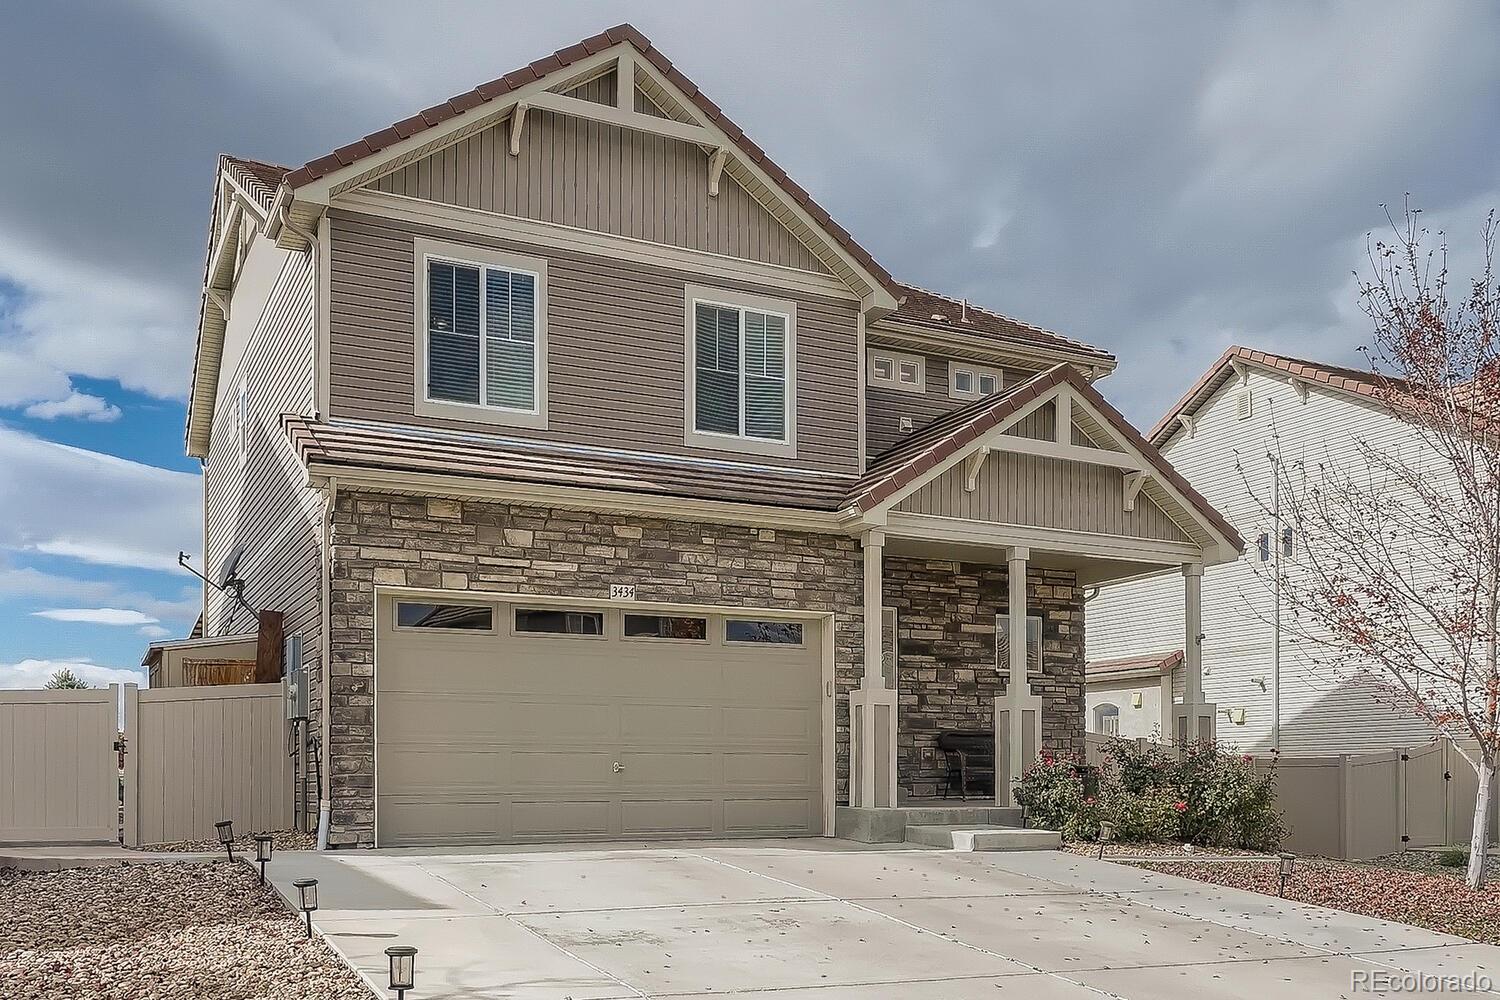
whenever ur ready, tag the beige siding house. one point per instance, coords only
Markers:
(614, 490)
(1270, 690)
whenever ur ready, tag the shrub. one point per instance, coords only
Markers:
(1202, 795)
(1453, 857)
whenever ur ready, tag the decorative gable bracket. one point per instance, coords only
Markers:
(972, 466)
(1133, 483)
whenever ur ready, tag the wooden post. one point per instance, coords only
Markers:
(268, 648)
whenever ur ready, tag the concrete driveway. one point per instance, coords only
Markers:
(831, 920)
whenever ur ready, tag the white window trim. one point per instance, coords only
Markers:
(396, 625)
(514, 610)
(724, 632)
(480, 257)
(897, 359)
(692, 297)
(954, 392)
(708, 628)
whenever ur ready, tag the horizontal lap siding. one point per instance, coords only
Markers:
(587, 174)
(265, 505)
(1045, 492)
(615, 352)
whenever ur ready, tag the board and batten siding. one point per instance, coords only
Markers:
(616, 348)
(587, 174)
(1320, 713)
(263, 505)
(1047, 493)
(885, 406)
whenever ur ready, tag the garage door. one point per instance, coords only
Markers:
(510, 723)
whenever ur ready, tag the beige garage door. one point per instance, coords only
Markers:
(510, 722)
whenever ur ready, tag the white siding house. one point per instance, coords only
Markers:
(1221, 437)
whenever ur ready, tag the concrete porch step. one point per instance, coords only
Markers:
(983, 838)
(887, 825)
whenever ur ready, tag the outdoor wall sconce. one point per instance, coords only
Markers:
(225, 830)
(307, 899)
(263, 849)
(403, 968)
(1106, 835)
(1287, 863)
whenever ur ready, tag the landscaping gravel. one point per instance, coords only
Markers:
(281, 840)
(1414, 891)
(166, 931)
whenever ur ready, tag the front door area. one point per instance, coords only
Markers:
(507, 721)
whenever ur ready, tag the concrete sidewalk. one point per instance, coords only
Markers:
(829, 920)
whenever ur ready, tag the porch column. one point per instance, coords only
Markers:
(872, 707)
(1195, 718)
(1018, 712)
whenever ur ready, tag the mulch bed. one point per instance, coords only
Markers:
(205, 930)
(1410, 890)
(281, 840)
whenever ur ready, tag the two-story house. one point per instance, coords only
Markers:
(1249, 410)
(596, 468)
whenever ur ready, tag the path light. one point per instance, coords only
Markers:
(262, 853)
(403, 968)
(225, 828)
(1106, 835)
(307, 899)
(1287, 861)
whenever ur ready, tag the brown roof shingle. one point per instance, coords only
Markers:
(921, 307)
(1163, 661)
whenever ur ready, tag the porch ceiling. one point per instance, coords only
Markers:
(1091, 570)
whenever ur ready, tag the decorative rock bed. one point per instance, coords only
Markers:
(205, 930)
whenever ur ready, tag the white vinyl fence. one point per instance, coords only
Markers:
(1368, 805)
(193, 756)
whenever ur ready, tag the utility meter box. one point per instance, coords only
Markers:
(294, 677)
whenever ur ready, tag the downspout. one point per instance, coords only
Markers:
(325, 655)
(1276, 613)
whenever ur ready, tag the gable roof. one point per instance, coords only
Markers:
(944, 314)
(499, 88)
(1365, 384)
(259, 179)
(898, 470)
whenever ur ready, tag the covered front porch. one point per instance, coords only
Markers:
(982, 538)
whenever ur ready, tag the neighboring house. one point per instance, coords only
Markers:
(197, 661)
(1268, 689)
(613, 489)
(1125, 696)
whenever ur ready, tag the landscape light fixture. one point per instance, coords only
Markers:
(1287, 862)
(1106, 834)
(307, 899)
(225, 830)
(403, 968)
(263, 848)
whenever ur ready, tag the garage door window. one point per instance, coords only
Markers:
(447, 617)
(666, 627)
(769, 632)
(559, 621)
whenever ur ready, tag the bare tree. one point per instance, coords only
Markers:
(1396, 581)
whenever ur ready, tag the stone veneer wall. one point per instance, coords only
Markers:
(946, 626)
(472, 545)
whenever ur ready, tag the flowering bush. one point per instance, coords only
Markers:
(1151, 793)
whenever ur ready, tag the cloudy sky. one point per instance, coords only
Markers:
(1162, 179)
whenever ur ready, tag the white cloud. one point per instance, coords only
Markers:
(67, 501)
(35, 673)
(28, 583)
(74, 317)
(77, 405)
(154, 631)
(96, 616)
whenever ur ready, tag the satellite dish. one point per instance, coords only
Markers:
(231, 564)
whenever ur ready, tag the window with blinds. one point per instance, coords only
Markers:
(740, 366)
(481, 336)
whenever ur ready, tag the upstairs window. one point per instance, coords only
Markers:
(892, 370)
(972, 382)
(741, 375)
(485, 336)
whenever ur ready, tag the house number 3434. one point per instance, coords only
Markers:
(622, 592)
